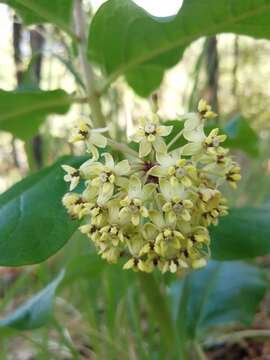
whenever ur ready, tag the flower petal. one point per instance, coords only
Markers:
(164, 130)
(109, 162)
(68, 169)
(192, 148)
(122, 168)
(98, 139)
(195, 135)
(134, 188)
(160, 145)
(145, 148)
(105, 193)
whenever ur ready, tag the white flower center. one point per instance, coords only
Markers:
(149, 128)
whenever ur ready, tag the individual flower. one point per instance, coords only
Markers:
(133, 204)
(72, 176)
(174, 168)
(174, 202)
(210, 144)
(233, 175)
(92, 138)
(104, 177)
(149, 136)
(168, 240)
(75, 205)
(194, 122)
(205, 110)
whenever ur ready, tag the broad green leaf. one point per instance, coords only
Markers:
(22, 112)
(126, 40)
(223, 293)
(243, 234)
(58, 12)
(34, 224)
(35, 312)
(241, 136)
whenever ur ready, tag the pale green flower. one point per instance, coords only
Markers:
(174, 201)
(205, 110)
(92, 138)
(133, 203)
(233, 175)
(105, 177)
(75, 205)
(72, 176)
(175, 169)
(168, 241)
(149, 136)
(210, 144)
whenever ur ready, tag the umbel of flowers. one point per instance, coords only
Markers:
(153, 210)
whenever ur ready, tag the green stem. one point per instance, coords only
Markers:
(123, 148)
(92, 94)
(199, 351)
(238, 335)
(174, 139)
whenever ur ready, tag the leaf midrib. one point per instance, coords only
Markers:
(214, 29)
(35, 107)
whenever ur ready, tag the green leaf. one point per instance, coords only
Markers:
(223, 293)
(23, 112)
(58, 12)
(126, 40)
(35, 312)
(241, 136)
(34, 224)
(243, 234)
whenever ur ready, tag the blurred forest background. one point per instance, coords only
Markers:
(231, 72)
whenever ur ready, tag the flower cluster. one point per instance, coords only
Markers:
(153, 210)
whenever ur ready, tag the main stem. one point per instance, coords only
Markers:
(94, 100)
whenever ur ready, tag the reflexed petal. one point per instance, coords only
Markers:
(135, 219)
(106, 193)
(122, 182)
(192, 149)
(91, 169)
(113, 212)
(160, 145)
(122, 168)
(166, 189)
(145, 148)
(90, 193)
(92, 149)
(74, 182)
(109, 162)
(68, 169)
(195, 135)
(137, 137)
(148, 190)
(164, 159)
(157, 218)
(134, 188)
(98, 139)
(150, 231)
(129, 264)
(192, 120)
(164, 130)
(157, 171)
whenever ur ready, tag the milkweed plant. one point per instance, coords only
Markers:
(155, 208)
